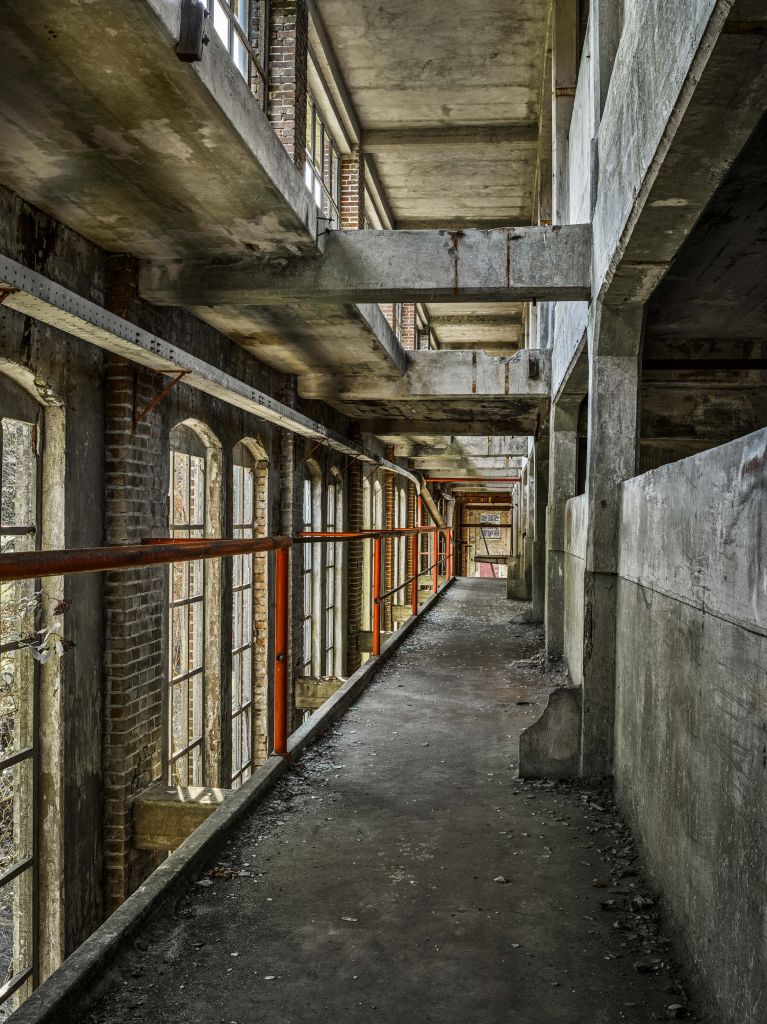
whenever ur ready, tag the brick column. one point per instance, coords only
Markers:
(389, 546)
(288, 526)
(134, 662)
(412, 561)
(353, 191)
(287, 85)
(408, 326)
(355, 559)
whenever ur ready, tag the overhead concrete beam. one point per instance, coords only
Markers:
(476, 320)
(444, 374)
(521, 133)
(546, 263)
(476, 465)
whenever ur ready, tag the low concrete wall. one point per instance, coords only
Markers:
(691, 707)
(575, 562)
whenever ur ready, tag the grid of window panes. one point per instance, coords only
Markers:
(490, 525)
(241, 26)
(322, 167)
(308, 574)
(20, 606)
(331, 554)
(243, 625)
(187, 613)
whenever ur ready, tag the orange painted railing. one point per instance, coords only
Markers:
(40, 564)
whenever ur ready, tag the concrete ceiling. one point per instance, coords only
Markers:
(448, 98)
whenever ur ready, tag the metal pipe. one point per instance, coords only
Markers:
(376, 597)
(281, 593)
(473, 480)
(30, 565)
(436, 563)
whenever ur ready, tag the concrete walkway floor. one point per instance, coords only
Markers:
(402, 872)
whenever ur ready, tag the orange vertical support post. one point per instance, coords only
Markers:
(281, 591)
(376, 596)
(449, 547)
(436, 561)
(414, 584)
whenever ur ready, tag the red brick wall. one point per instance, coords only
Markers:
(287, 74)
(408, 326)
(352, 191)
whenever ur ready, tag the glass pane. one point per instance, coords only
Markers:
(197, 491)
(18, 473)
(16, 934)
(195, 711)
(178, 716)
(180, 491)
(196, 617)
(179, 654)
(240, 56)
(236, 751)
(247, 665)
(240, 8)
(180, 772)
(245, 733)
(221, 22)
(15, 814)
(195, 767)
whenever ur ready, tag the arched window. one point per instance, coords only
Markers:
(193, 702)
(249, 680)
(333, 574)
(312, 523)
(22, 606)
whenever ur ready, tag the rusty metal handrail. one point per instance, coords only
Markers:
(32, 565)
(166, 550)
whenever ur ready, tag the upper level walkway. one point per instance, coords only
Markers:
(402, 871)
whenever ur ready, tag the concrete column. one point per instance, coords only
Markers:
(605, 18)
(615, 338)
(538, 547)
(564, 76)
(563, 482)
(528, 528)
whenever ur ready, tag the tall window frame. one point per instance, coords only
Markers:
(322, 166)
(312, 523)
(241, 705)
(243, 28)
(333, 574)
(186, 633)
(21, 423)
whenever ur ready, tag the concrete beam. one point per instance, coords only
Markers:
(443, 374)
(478, 464)
(392, 266)
(520, 133)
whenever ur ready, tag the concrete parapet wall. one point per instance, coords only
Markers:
(575, 564)
(691, 706)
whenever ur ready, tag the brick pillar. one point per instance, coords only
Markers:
(389, 545)
(355, 558)
(412, 561)
(134, 663)
(288, 48)
(289, 510)
(353, 191)
(408, 326)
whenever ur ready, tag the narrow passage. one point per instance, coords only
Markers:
(403, 872)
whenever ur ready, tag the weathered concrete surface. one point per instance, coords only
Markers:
(170, 159)
(551, 747)
(365, 889)
(691, 761)
(469, 74)
(574, 569)
(392, 266)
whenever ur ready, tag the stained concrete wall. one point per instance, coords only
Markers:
(691, 710)
(575, 563)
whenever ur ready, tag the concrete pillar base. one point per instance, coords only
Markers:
(551, 748)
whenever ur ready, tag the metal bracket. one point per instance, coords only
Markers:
(138, 417)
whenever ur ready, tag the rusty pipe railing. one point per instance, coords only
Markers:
(162, 551)
(378, 597)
